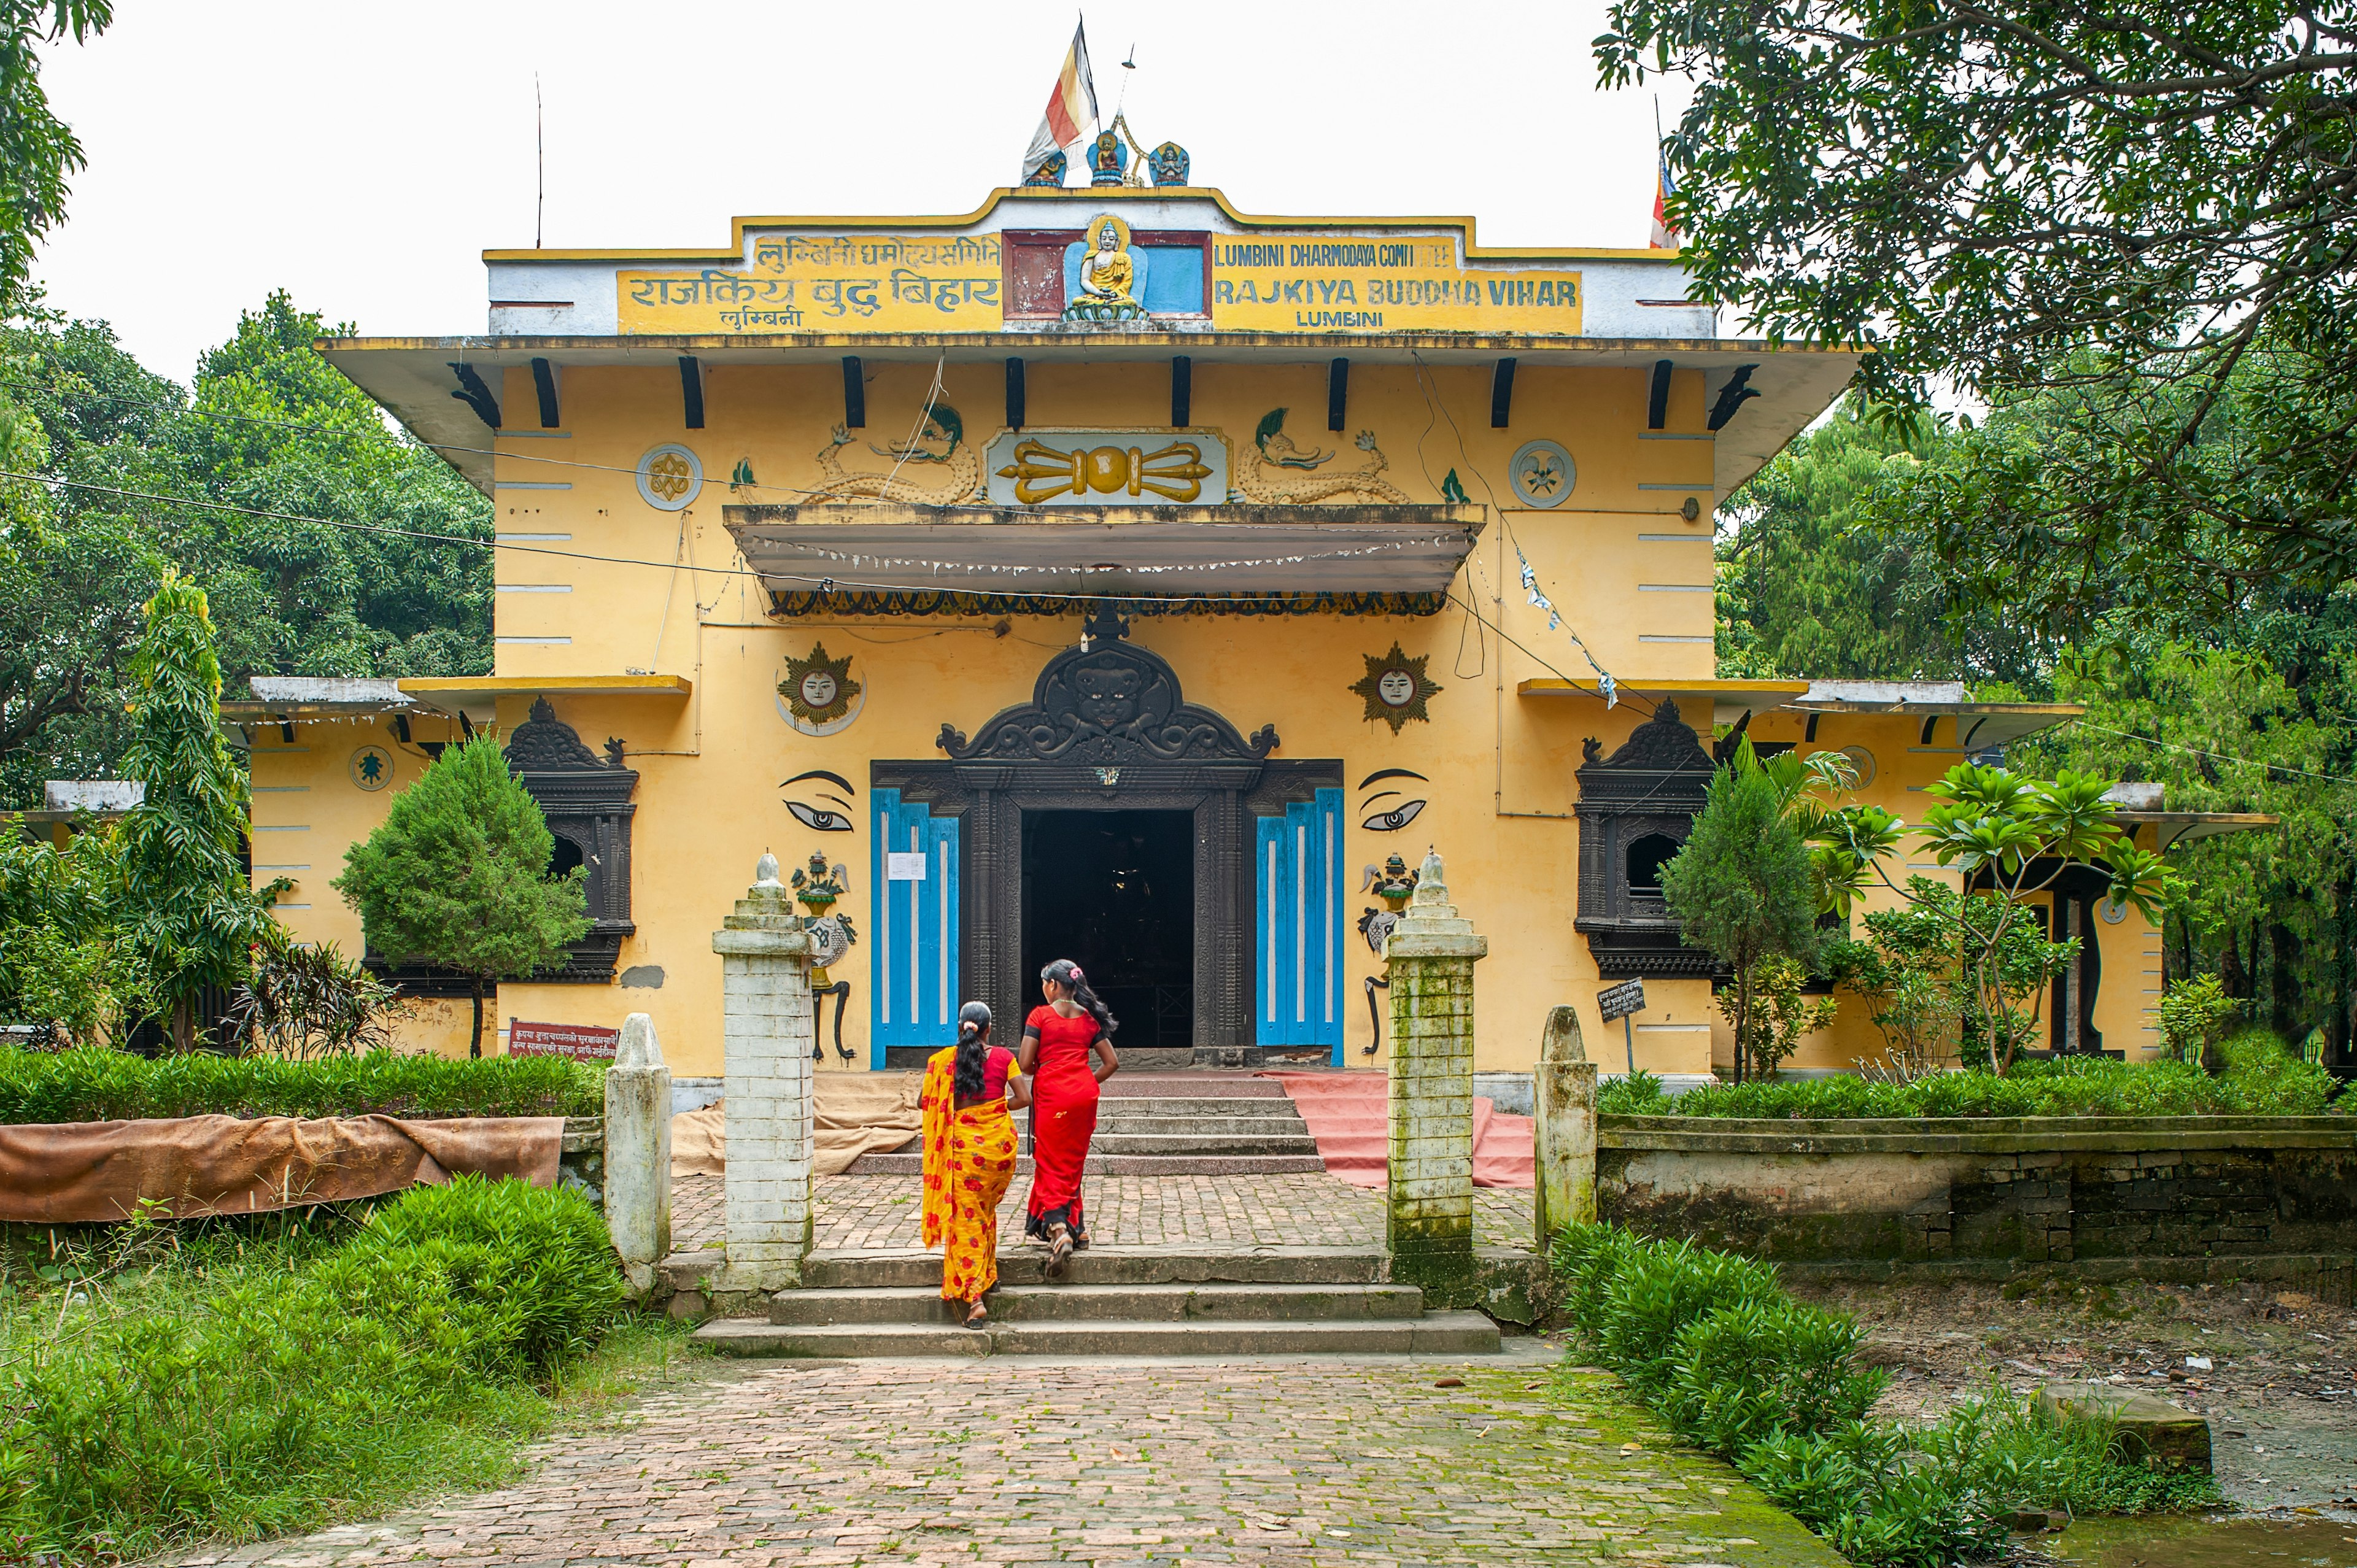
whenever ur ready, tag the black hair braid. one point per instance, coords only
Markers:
(972, 1049)
(1067, 973)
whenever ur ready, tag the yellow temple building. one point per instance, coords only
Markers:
(1109, 574)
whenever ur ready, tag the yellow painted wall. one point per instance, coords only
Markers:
(1614, 558)
(308, 808)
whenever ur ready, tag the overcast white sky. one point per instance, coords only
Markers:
(362, 156)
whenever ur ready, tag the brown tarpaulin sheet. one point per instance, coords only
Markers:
(196, 1165)
(857, 1113)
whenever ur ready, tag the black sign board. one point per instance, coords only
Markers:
(1619, 1000)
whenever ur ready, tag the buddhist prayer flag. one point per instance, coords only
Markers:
(1664, 237)
(1071, 103)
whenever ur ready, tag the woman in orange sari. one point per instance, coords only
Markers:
(969, 1156)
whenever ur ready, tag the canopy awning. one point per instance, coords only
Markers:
(1113, 552)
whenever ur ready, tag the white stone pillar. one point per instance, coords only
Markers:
(1429, 1226)
(768, 1028)
(1564, 1091)
(638, 1152)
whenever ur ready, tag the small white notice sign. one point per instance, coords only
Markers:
(904, 866)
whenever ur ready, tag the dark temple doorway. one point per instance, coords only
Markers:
(1114, 892)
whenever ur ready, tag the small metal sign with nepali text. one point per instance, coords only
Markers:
(582, 1042)
(1619, 1000)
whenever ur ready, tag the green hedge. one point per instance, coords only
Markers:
(2262, 1078)
(1732, 1363)
(99, 1085)
(243, 1389)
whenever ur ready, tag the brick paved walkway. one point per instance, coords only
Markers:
(1303, 1211)
(1307, 1463)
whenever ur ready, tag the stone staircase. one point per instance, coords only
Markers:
(1196, 1123)
(1114, 1301)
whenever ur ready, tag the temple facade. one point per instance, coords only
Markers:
(1107, 574)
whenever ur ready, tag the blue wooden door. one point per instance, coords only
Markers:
(913, 997)
(1298, 894)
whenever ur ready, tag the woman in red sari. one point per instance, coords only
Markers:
(1066, 1053)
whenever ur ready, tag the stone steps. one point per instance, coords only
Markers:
(1189, 1125)
(1123, 1302)
(1114, 1301)
(1125, 1164)
(1445, 1333)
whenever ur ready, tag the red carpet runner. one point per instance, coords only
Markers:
(1350, 1115)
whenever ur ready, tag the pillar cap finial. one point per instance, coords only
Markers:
(765, 871)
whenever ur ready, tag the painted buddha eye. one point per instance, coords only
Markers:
(818, 818)
(1391, 821)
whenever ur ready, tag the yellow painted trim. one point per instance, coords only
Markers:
(554, 686)
(1714, 688)
(739, 227)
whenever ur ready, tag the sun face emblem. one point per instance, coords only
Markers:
(1395, 687)
(817, 693)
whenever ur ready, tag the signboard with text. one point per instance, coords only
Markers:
(582, 1042)
(1619, 1000)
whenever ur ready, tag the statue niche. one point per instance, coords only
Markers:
(1636, 808)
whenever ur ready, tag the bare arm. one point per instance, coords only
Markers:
(1108, 1060)
(1019, 1091)
(1027, 1060)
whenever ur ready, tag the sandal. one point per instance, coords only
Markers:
(977, 1318)
(1059, 1252)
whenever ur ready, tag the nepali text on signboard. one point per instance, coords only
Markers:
(582, 1042)
(1622, 1000)
(827, 283)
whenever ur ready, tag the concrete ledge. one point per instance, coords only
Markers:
(1976, 1134)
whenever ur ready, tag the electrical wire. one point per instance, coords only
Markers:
(2213, 756)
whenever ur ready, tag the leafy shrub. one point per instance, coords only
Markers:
(1639, 1093)
(2261, 1079)
(231, 1393)
(2192, 1017)
(98, 1085)
(310, 1001)
(1736, 1365)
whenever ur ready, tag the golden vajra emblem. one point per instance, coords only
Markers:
(668, 475)
(1042, 473)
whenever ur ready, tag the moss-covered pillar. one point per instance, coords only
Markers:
(768, 1029)
(1564, 1094)
(638, 1153)
(1431, 953)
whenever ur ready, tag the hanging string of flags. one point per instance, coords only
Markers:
(1611, 687)
(996, 570)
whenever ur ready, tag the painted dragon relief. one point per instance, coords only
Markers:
(1105, 706)
(940, 468)
(1276, 472)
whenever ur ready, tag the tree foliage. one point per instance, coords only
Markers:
(457, 876)
(186, 905)
(2142, 208)
(269, 429)
(38, 151)
(1806, 588)
(1741, 887)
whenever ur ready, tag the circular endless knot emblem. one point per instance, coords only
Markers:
(1542, 474)
(371, 767)
(669, 478)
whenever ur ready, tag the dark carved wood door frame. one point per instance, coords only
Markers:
(1109, 730)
